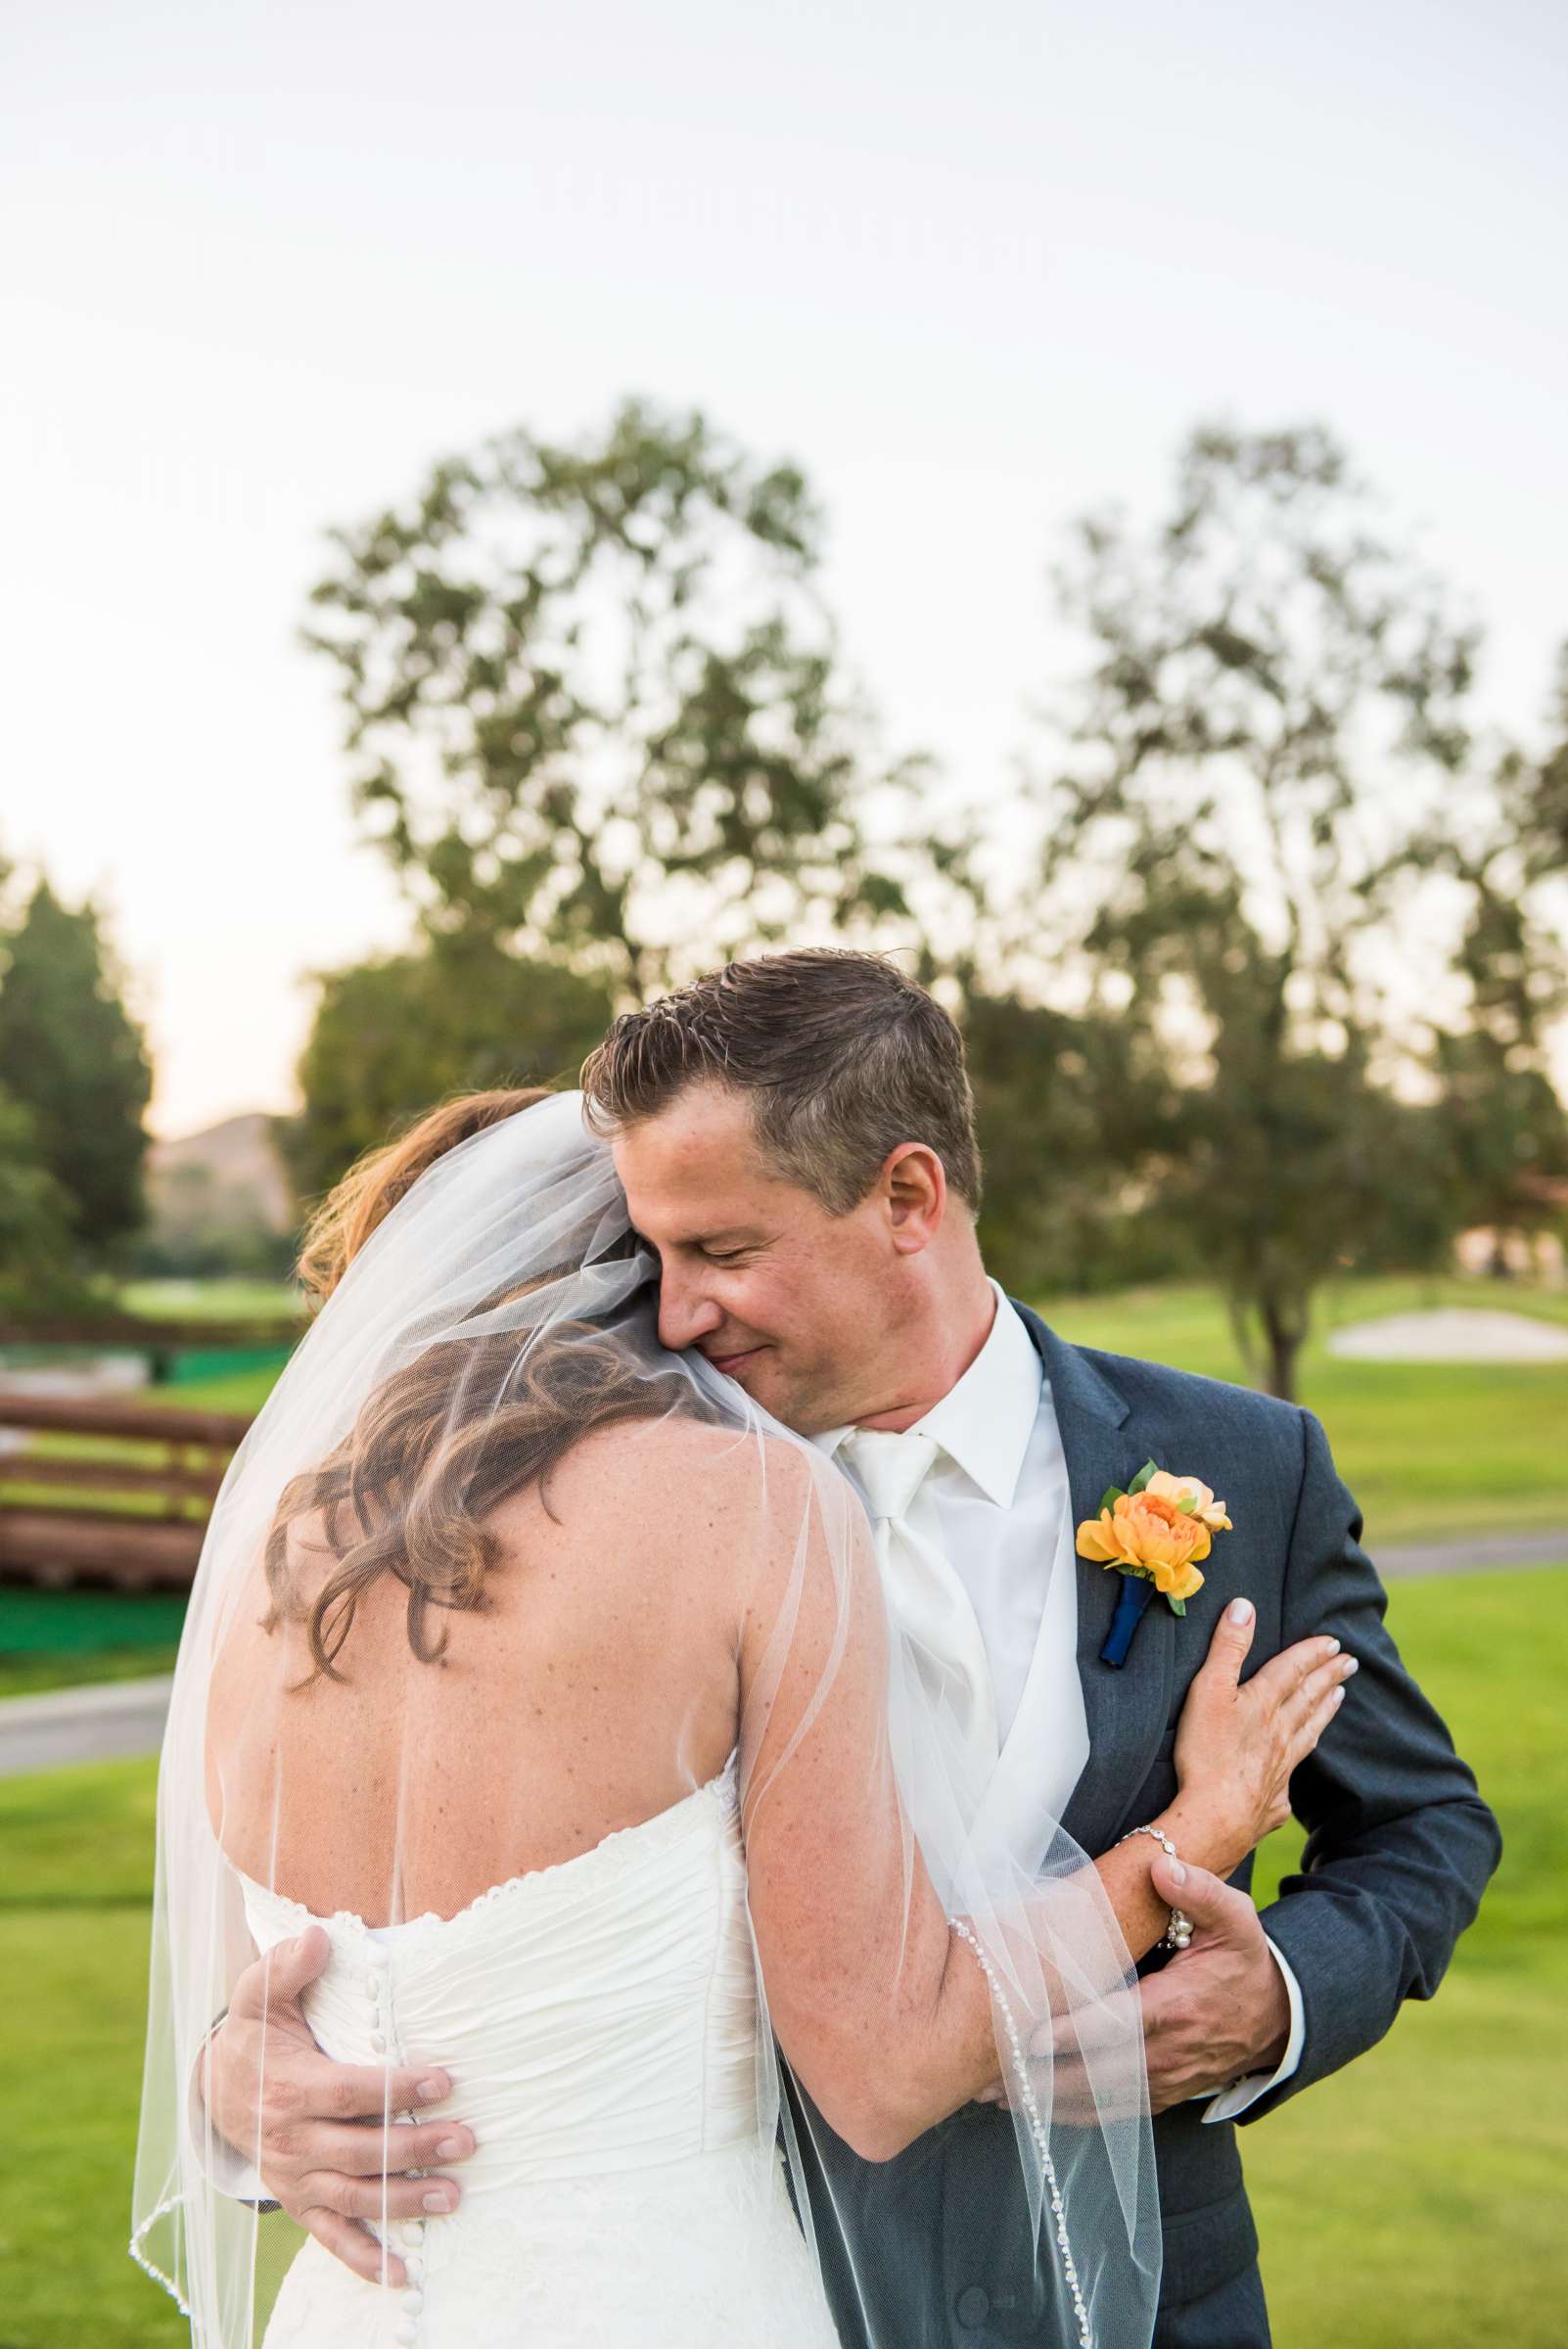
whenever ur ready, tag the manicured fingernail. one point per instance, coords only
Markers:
(430, 2092)
(1333, 1647)
(441, 2199)
(1178, 1872)
(1351, 1664)
(450, 2149)
(1241, 1610)
(1336, 1696)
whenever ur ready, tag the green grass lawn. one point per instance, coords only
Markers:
(211, 1300)
(62, 1638)
(1417, 2197)
(1430, 1450)
(32, 1676)
(1411, 2203)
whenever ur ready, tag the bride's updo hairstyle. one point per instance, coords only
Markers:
(367, 1194)
(433, 1451)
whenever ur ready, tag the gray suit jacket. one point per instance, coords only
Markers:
(1400, 1847)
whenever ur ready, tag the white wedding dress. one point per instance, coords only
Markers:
(599, 2020)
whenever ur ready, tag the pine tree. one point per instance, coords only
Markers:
(74, 1057)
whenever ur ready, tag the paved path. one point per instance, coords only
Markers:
(1547, 1545)
(1453, 1334)
(109, 1722)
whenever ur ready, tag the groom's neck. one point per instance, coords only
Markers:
(934, 1346)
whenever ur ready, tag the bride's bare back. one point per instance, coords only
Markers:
(597, 1685)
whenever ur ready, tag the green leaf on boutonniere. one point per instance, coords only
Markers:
(1148, 1469)
(1110, 1497)
(1179, 1606)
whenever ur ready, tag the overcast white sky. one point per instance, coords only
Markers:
(975, 268)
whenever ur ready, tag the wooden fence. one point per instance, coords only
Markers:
(125, 1506)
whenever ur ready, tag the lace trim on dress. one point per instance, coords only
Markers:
(610, 1856)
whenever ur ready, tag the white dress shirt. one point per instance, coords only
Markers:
(996, 1502)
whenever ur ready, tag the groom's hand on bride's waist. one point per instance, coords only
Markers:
(316, 2130)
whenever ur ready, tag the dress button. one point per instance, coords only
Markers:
(406, 2335)
(378, 2043)
(974, 2306)
(413, 2302)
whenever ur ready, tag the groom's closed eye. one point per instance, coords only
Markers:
(710, 1253)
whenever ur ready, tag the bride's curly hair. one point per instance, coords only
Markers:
(441, 1442)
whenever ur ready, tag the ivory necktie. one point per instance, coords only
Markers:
(924, 1592)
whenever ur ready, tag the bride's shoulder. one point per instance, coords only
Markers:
(684, 1461)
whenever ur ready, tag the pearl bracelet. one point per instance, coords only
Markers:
(1179, 1932)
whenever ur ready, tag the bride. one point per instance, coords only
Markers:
(548, 1679)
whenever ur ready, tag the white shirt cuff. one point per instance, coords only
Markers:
(1235, 2100)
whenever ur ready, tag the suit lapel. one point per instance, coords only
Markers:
(1125, 1710)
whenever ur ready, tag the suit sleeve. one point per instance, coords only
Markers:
(1399, 1845)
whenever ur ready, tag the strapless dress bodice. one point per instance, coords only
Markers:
(599, 2019)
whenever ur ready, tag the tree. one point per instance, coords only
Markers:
(393, 1037)
(1238, 848)
(38, 1269)
(1546, 790)
(593, 702)
(72, 1055)
(1069, 1203)
(1502, 1127)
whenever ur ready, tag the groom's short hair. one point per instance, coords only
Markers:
(841, 1056)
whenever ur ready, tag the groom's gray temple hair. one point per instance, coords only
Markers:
(830, 1062)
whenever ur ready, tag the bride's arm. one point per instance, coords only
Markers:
(881, 2009)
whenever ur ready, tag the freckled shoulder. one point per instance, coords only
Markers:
(679, 1473)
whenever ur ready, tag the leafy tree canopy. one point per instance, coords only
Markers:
(393, 1037)
(1244, 854)
(594, 706)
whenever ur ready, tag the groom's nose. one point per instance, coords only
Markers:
(685, 1314)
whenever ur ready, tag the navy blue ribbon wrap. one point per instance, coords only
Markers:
(1131, 1609)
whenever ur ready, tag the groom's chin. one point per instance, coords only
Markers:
(757, 1373)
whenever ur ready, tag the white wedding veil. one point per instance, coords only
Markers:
(375, 1525)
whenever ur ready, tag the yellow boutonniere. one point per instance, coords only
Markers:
(1156, 1533)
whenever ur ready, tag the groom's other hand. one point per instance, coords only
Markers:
(316, 2131)
(1217, 2009)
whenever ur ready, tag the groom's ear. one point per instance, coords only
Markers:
(915, 1184)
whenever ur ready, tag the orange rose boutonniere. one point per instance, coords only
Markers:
(1156, 1534)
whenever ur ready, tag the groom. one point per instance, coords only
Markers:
(796, 1137)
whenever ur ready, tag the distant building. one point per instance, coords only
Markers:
(1534, 1253)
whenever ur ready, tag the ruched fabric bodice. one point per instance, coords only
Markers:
(599, 2021)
